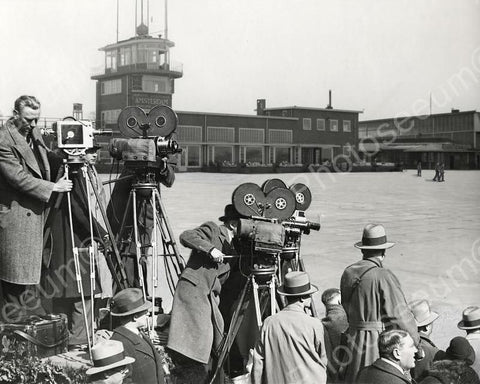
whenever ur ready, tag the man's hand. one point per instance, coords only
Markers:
(63, 185)
(216, 255)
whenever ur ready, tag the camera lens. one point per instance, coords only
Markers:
(160, 121)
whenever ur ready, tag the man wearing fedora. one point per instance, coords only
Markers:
(291, 346)
(424, 317)
(471, 324)
(197, 324)
(130, 310)
(110, 365)
(373, 300)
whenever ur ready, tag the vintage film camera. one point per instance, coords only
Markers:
(149, 138)
(74, 137)
(276, 220)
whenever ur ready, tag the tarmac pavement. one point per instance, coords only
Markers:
(435, 226)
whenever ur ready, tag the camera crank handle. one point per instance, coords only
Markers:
(231, 256)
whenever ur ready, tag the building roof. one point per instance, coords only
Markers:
(239, 115)
(313, 109)
(138, 39)
(419, 116)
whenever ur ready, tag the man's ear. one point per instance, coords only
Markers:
(396, 354)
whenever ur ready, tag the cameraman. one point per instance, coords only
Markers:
(25, 188)
(197, 323)
(115, 212)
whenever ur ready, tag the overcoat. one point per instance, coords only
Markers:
(290, 349)
(147, 367)
(474, 340)
(61, 275)
(373, 302)
(335, 323)
(196, 324)
(430, 350)
(25, 188)
(381, 372)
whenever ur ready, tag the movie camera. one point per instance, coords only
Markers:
(150, 138)
(275, 218)
(73, 136)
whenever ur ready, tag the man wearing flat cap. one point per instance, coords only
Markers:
(291, 346)
(471, 324)
(424, 317)
(373, 300)
(197, 324)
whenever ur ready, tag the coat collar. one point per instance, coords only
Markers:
(389, 368)
(139, 342)
(24, 149)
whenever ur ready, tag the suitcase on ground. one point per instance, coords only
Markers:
(35, 336)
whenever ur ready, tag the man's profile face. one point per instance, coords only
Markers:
(406, 353)
(91, 157)
(27, 120)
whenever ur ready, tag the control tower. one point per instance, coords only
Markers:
(138, 72)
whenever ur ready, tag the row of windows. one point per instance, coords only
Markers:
(135, 54)
(151, 84)
(333, 125)
(110, 87)
(109, 116)
(189, 133)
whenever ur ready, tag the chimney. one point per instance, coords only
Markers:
(261, 105)
(329, 106)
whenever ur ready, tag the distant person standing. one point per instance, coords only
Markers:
(441, 172)
(419, 168)
(373, 300)
(471, 324)
(437, 172)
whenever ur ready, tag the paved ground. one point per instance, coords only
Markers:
(436, 227)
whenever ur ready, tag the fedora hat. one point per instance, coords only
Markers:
(95, 147)
(422, 313)
(230, 213)
(374, 237)
(296, 284)
(129, 301)
(470, 318)
(107, 355)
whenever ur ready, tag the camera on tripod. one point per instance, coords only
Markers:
(150, 138)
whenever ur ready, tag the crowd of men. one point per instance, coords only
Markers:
(369, 334)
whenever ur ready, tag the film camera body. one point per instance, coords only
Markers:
(150, 138)
(275, 221)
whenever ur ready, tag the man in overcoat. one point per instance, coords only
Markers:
(471, 324)
(373, 300)
(25, 189)
(291, 346)
(397, 356)
(424, 317)
(197, 325)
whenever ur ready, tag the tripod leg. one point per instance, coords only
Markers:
(138, 245)
(256, 300)
(154, 256)
(273, 301)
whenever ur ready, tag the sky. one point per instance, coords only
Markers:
(386, 58)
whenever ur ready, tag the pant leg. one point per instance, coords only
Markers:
(19, 301)
(73, 309)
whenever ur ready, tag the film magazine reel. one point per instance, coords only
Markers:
(273, 200)
(161, 121)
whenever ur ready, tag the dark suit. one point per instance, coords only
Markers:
(335, 323)
(423, 365)
(381, 372)
(147, 368)
(197, 324)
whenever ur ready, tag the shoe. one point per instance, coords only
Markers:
(77, 348)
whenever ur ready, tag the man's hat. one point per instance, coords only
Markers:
(230, 213)
(470, 318)
(107, 355)
(95, 146)
(296, 283)
(129, 301)
(422, 313)
(374, 237)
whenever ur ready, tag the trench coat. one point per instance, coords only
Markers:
(381, 372)
(196, 325)
(25, 188)
(60, 280)
(374, 303)
(147, 367)
(291, 349)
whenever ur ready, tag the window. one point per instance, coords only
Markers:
(282, 155)
(191, 156)
(110, 87)
(307, 124)
(251, 155)
(251, 135)
(155, 84)
(334, 125)
(280, 136)
(189, 133)
(221, 134)
(109, 116)
(320, 124)
(125, 56)
(347, 126)
(221, 154)
(136, 82)
(111, 60)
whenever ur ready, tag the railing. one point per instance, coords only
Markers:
(174, 66)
